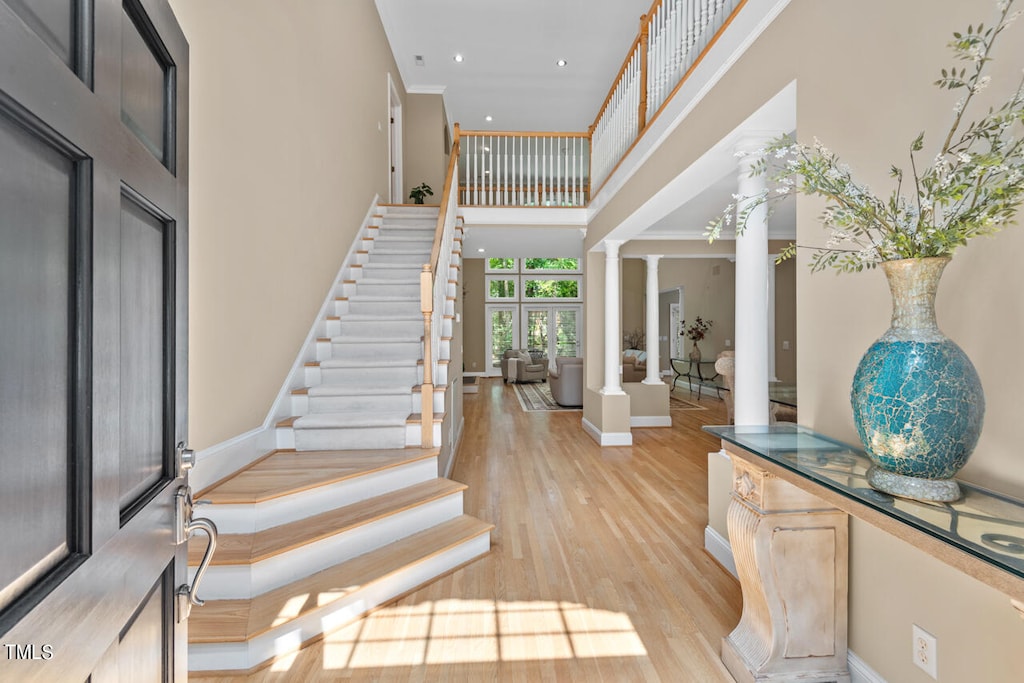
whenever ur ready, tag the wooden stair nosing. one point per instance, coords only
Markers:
(417, 418)
(249, 548)
(319, 468)
(223, 621)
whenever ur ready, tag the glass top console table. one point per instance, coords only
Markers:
(792, 490)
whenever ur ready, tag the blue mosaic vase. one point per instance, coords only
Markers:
(917, 400)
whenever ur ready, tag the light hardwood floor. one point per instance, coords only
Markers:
(597, 571)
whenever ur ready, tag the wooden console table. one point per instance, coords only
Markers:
(793, 490)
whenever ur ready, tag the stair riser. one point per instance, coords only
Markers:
(409, 232)
(414, 434)
(440, 377)
(354, 351)
(240, 519)
(407, 290)
(417, 402)
(361, 375)
(381, 328)
(344, 404)
(405, 272)
(411, 259)
(243, 656)
(223, 582)
(349, 438)
(408, 307)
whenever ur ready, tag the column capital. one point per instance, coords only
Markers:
(611, 247)
(652, 260)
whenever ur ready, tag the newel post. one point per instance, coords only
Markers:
(427, 387)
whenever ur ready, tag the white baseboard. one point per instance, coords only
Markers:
(718, 547)
(650, 421)
(227, 457)
(860, 672)
(476, 374)
(607, 438)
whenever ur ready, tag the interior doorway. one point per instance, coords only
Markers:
(394, 143)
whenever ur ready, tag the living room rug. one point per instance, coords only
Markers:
(536, 396)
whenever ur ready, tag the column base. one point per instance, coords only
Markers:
(745, 671)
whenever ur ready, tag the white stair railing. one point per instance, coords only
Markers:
(434, 291)
(524, 169)
(673, 36)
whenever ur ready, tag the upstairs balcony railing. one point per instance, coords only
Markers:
(565, 169)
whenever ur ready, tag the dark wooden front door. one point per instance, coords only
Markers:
(93, 256)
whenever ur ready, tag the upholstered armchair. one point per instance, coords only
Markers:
(523, 368)
(725, 365)
(634, 365)
(566, 381)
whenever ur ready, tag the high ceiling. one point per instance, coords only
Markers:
(510, 50)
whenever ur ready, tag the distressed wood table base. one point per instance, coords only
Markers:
(791, 553)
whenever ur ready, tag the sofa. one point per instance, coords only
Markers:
(634, 365)
(518, 365)
(566, 381)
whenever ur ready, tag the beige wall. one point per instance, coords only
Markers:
(423, 140)
(474, 327)
(867, 102)
(288, 148)
(785, 321)
(709, 291)
(634, 295)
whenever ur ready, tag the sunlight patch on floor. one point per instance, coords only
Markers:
(476, 631)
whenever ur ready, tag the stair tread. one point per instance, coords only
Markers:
(286, 472)
(349, 390)
(237, 620)
(376, 341)
(234, 549)
(352, 420)
(341, 363)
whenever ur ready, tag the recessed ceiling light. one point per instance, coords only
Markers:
(561, 62)
(488, 118)
(458, 57)
(481, 250)
(487, 173)
(487, 149)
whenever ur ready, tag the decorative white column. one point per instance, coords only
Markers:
(612, 334)
(653, 341)
(751, 382)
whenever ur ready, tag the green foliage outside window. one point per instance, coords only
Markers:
(551, 264)
(501, 263)
(502, 289)
(551, 289)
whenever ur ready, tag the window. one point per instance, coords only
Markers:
(500, 288)
(499, 265)
(551, 265)
(554, 289)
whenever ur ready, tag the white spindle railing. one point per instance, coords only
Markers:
(672, 37)
(524, 169)
(434, 289)
(618, 123)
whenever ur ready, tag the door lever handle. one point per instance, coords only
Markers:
(186, 595)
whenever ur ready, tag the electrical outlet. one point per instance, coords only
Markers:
(785, 346)
(728, 343)
(925, 652)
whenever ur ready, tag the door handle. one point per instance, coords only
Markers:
(186, 596)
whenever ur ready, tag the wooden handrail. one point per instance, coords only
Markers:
(428, 285)
(645, 33)
(453, 159)
(522, 134)
(618, 77)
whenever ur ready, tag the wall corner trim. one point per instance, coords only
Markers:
(607, 438)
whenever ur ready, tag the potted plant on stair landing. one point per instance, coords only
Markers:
(917, 400)
(421, 191)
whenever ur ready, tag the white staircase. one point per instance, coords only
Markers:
(360, 389)
(349, 513)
